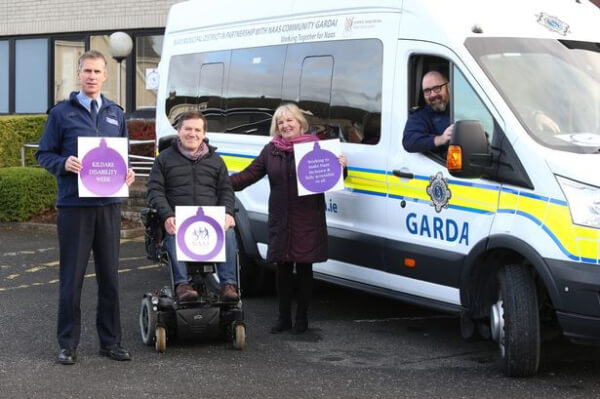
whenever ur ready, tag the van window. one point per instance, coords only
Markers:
(315, 94)
(338, 83)
(553, 86)
(254, 89)
(195, 82)
(468, 105)
(355, 69)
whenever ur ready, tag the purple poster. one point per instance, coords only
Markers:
(104, 166)
(200, 233)
(317, 167)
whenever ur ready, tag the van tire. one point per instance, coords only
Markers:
(518, 333)
(254, 278)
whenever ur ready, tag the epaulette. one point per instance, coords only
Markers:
(50, 109)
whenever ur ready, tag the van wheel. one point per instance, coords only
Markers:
(254, 279)
(147, 322)
(514, 322)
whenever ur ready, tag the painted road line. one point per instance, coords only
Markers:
(28, 252)
(144, 267)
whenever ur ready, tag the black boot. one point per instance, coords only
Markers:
(284, 295)
(305, 277)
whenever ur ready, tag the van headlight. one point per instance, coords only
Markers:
(584, 202)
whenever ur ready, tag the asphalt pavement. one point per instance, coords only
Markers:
(358, 345)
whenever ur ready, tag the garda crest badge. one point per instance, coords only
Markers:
(438, 191)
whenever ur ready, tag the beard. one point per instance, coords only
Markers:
(438, 106)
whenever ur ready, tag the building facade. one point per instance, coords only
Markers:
(41, 41)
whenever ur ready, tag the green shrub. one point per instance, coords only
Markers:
(25, 192)
(16, 130)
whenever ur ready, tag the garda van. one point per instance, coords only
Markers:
(509, 237)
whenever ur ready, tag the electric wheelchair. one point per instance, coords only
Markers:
(163, 317)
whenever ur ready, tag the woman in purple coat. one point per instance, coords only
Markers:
(297, 227)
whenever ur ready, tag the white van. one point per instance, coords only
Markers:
(510, 239)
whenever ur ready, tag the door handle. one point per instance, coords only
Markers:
(404, 175)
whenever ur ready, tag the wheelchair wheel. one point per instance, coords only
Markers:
(239, 338)
(147, 322)
(161, 339)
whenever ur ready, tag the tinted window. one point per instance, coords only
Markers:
(196, 82)
(352, 70)
(315, 94)
(254, 89)
(338, 83)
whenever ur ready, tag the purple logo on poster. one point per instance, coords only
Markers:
(205, 239)
(103, 170)
(319, 170)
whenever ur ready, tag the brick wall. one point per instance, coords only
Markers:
(22, 17)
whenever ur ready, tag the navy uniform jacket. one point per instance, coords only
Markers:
(68, 120)
(421, 128)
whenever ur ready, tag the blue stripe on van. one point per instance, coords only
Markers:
(476, 185)
(563, 249)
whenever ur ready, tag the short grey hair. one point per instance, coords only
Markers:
(92, 55)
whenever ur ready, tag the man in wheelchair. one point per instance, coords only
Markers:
(191, 173)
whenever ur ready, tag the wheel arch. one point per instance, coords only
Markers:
(477, 279)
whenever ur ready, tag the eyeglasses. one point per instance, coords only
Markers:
(434, 89)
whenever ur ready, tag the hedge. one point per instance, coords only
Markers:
(25, 192)
(16, 130)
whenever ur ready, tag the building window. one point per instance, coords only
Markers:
(66, 57)
(31, 75)
(109, 88)
(147, 56)
(4, 62)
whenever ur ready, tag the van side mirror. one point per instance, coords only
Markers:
(468, 153)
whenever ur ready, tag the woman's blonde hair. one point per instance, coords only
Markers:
(294, 111)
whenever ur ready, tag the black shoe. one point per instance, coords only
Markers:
(281, 326)
(116, 352)
(300, 327)
(67, 356)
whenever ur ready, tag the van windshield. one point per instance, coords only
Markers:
(553, 86)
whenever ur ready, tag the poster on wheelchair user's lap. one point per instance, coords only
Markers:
(199, 233)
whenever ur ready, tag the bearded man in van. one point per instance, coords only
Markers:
(428, 128)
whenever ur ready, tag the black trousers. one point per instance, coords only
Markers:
(81, 230)
(285, 289)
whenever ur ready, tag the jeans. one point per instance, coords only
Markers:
(226, 271)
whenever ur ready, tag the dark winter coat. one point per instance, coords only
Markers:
(178, 181)
(67, 121)
(297, 227)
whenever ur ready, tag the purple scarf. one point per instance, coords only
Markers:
(288, 146)
(194, 156)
